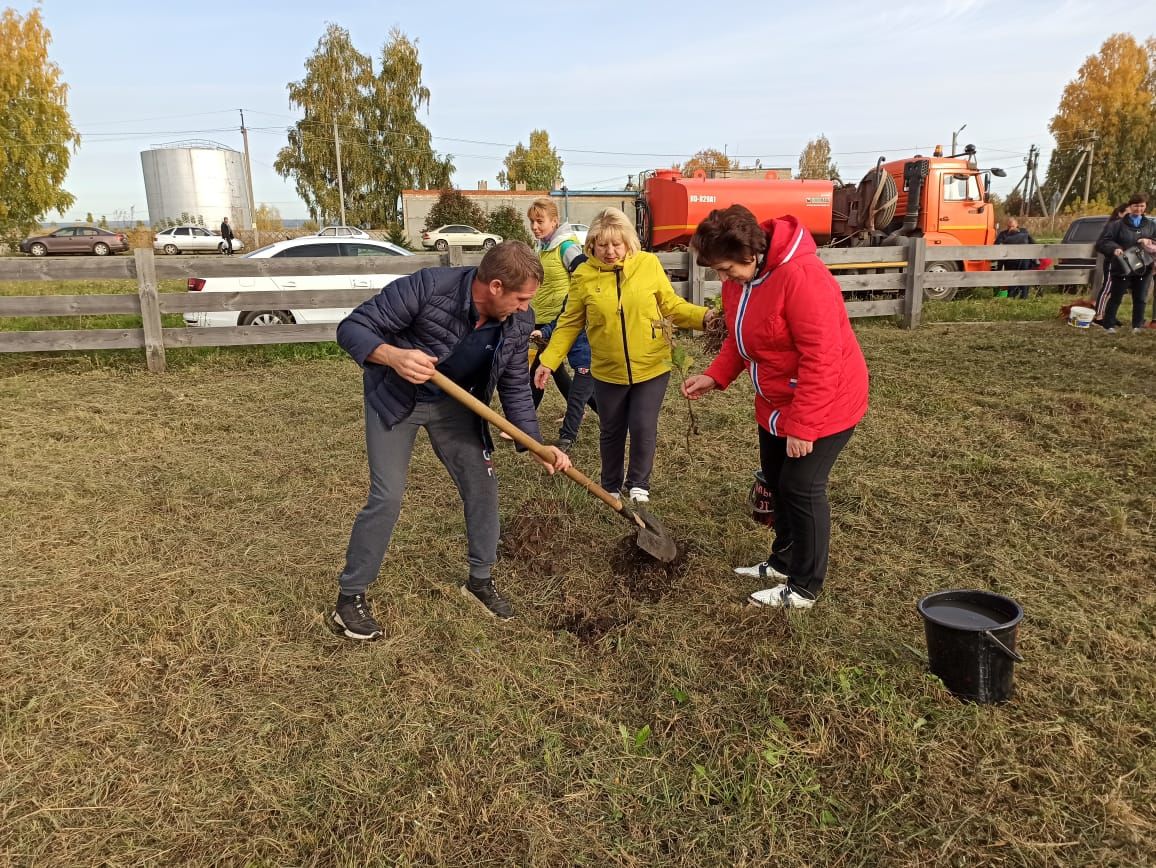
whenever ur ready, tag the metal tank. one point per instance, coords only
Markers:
(205, 180)
(675, 205)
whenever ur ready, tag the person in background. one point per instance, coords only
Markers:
(787, 327)
(1014, 234)
(472, 325)
(1118, 236)
(227, 236)
(560, 253)
(624, 300)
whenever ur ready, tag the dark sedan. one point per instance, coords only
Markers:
(75, 239)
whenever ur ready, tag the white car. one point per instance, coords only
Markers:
(343, 232)
(191, 239)
(459, 235)
(307, 247)
(579, 229)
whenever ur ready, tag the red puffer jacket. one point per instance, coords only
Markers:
(789, 328)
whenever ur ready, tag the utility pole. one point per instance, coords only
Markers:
(1036, 184)
(1071, 178)
(1088, 176)
(1026, 208)
(340, 183)
(955, 139)
(249, 184)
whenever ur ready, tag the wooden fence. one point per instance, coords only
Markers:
(896, 273)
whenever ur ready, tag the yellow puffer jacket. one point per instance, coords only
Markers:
(622, 307)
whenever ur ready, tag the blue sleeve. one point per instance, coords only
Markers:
(375, 321)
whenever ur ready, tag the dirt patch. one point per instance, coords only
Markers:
(645, 578)
(532, 536)
(589, 627)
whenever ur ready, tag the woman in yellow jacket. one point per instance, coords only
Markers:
(623, 299)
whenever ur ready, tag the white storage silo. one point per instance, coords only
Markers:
(201, 179)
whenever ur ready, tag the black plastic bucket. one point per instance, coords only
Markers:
(971, 642)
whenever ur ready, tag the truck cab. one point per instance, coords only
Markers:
(951, 209)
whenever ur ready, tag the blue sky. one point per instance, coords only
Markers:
(646, 87)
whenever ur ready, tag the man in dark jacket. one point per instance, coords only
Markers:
(1117, 237)
(473, 326)
(1014, 234)
(227, 236)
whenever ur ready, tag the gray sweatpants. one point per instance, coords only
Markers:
(454, 434)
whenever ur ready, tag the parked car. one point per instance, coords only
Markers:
(579, 229)
(343, 232)
(1082, 230)
(191, 239)
(75, 239)
(306, 247)
(459, 235)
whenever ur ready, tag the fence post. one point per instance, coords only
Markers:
(455, 255)
(150, 309)
(913, 280)
(695, 274)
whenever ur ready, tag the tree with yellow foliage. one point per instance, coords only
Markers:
(711, 160)
(37, 138)
(267, 218)
(815, 161)
(1110, 106)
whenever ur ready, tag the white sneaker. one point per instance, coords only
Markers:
(781, 597)
(760, 571)
(639, 495)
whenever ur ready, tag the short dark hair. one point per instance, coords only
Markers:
(511, 262)
(1138, 199)
(729, 234)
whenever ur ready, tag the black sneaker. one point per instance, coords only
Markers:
(564, 443)
(353, 618)
(487, 594)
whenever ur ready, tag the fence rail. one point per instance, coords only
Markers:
(899, 272)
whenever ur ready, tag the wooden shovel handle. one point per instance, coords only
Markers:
(521, 437)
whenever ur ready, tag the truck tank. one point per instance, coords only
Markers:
(675, 205)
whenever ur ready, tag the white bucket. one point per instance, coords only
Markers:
(1081, 317)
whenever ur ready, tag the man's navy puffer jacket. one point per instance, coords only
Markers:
(429, 310)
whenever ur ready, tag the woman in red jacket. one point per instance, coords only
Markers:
(788, 328)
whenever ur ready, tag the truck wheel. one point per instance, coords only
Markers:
(931, 292)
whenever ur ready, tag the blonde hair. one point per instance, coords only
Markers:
(543, 207)
(612, 224)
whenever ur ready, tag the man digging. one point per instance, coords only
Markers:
(472, 325)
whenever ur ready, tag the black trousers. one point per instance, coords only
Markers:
(802, 512)
(1112, 294)
(629, 409)
(578, 392)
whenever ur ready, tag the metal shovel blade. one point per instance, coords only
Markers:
(652, 536)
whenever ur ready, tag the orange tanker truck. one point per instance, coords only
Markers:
(942, 199)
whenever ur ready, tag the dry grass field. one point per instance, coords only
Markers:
(170, 694)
